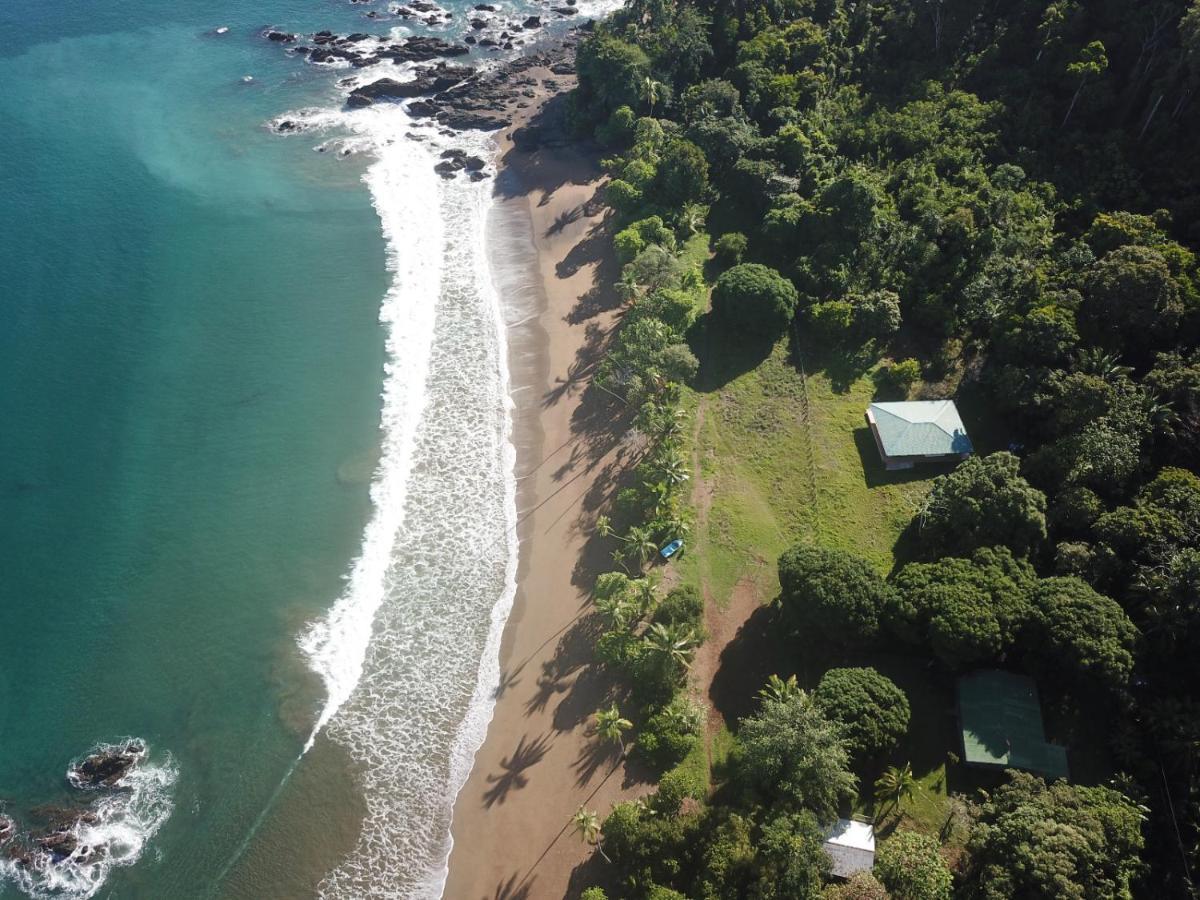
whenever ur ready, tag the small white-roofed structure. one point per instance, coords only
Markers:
(914, 431)
(851, 847)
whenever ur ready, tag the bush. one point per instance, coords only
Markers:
(868, 707)
(831, 592)
(789, 750)
(618, 130)
(676, 786)
(910, 866)
(984, 502)
(730, 248)
(862, 886)
(682, 606)
(622, 196)
(755, 300)
(898, 377)
(669, 735)
(593, 893)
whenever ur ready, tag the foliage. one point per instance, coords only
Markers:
(909, 865)
(860, 886)
(983, 502)
(1085, 633)
(670, 733)
(1058, 841)
(754, 300)
(969, 611)
(790, 749)
(731, 247)
(870, 710)
(830, 592)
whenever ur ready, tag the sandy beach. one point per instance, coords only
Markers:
(540, 762)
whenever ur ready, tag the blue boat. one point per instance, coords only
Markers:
(671, 549)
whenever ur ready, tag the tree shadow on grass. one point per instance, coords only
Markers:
(723, 356)
(511, 776)
(756, 652)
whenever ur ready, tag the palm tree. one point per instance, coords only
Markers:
(587, 825)
(641, 544)
(896, 784)
(656, 92)
(644, 594)
(672, 642)
(777, 688)
(673, 469)
(617, 611)
(611, 727)
(1094, 361)
(604, 526)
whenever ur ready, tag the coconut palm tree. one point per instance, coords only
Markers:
(673, 642)
(656, 92)
(617, 611)
(586, 824)
(777, 688)
(644, 594)
(896, 784)
(640, 544)
(604, 527)
(611, 727)
(674, 469)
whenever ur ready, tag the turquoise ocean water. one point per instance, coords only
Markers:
(190, 359)
(254, 465)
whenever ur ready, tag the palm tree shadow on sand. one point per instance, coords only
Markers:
(513, 768)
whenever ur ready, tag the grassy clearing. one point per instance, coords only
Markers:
(778, 468)
(783, 459)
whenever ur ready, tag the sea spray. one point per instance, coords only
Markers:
(404, 190)
(111, 831)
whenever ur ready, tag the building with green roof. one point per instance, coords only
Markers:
(914, 431)
(1001, 718)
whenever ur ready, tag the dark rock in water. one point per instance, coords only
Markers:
(287, 126)
(447, 169)
(532, 22)
(477, 176)
(488, 42)
(565, 10)
(280, 37)
(7, 828)
(60, 844)
(478, 24)
(473, 163)
(108, 766)
(423, 108)
(358, 37)
(470, 39)
(324, 37)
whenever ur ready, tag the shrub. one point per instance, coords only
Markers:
(898, 377)
(669, 734)
(984, 502)
(730, 248)
(868, 707)
(831, 592)
(754, 299)
(593, 893)
(910, 866)
(861, 886)
(790, 750)
(682, 606)
(622, 196)
(676, 786)
(618, 130)
(628, 244)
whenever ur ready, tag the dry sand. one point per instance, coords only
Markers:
(540, 762)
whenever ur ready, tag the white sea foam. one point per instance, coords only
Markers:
(121, 824)
(410, 651)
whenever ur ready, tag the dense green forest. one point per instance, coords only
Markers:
(1000, 201)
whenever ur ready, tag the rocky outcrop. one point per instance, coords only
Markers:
(106, 766)
(428, 81)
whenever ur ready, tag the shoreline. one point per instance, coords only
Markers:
(538, 761)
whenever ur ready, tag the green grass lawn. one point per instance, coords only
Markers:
(781, 461)
(778, 468)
